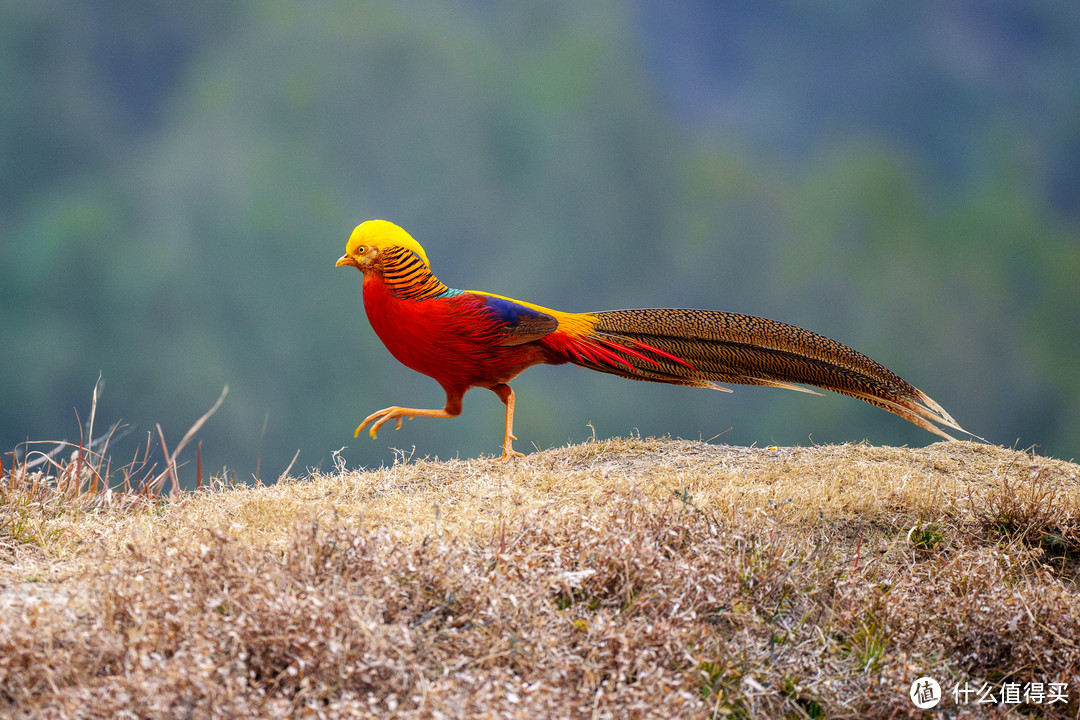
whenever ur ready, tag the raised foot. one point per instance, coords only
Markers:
(394, 412)
(381, 417)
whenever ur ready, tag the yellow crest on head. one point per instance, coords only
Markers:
(382, 234)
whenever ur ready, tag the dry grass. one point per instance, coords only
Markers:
(622, 578)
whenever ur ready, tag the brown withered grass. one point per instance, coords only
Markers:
(614, 579)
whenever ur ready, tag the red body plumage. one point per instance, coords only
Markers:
(453, 339)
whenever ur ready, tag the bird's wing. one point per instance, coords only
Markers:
(519, 322)
(572, 337)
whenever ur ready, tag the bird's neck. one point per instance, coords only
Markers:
(407, 276)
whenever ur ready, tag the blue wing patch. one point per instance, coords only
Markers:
(521, 324)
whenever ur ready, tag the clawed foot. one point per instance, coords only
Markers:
(399, 413)
(381, 417)
(508, 450)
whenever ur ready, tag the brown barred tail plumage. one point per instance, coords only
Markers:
(705, 347)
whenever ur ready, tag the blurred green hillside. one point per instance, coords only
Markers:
(177, 180)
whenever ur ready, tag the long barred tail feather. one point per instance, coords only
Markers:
(704, 347)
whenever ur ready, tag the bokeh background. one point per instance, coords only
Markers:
(177, 180)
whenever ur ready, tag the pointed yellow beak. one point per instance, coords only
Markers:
(346, 260)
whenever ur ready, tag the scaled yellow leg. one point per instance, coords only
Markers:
(506, 394)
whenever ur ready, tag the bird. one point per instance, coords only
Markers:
(467, 338)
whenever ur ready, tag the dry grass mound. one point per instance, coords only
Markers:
(623, 578)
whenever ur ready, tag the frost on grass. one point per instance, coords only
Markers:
(626, 578)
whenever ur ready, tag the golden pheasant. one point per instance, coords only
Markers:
(466, 339)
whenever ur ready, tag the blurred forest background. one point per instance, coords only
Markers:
(177, 180)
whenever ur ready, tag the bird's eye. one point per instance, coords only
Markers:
(361, 250)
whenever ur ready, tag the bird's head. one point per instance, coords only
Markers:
(371, 239)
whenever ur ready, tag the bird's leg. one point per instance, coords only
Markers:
(506, 394)
(452, 409)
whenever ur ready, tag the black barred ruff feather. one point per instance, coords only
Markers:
(718, 347)
(407, 276)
